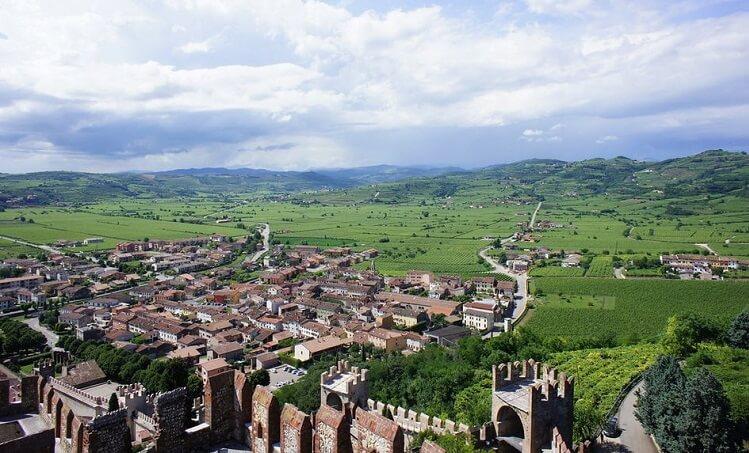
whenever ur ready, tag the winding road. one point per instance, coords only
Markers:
(633, 438)
(521, 296)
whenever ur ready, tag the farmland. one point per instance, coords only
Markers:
(610, 224)
(640, 307)
(45, 226)
(10, 249)
(600, 266)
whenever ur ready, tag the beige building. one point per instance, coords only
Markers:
(388, 340)
(313, 348)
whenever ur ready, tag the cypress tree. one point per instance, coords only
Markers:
(114, 403)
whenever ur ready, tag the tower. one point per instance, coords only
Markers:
(343, 384)
(531, 404)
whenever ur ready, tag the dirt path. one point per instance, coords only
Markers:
(46, 248)
(707, 247)
(533, 217)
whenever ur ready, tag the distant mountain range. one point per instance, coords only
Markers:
(715, 171)
(75, 187)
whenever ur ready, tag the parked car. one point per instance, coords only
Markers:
(611, 429)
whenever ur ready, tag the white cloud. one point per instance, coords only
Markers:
(607, 138)
(309, 68)
(558, 6)
(195, 47)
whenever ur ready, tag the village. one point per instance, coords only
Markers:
(230, 308)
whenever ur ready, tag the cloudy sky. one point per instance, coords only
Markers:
(290, 84)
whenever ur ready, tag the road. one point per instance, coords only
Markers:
(633, 438)
(521, 296)
(224, 210)
(707, 247)
(266, 243)
(48, 334)
(46, 248)
(533, 217)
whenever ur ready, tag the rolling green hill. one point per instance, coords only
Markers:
(711, 172)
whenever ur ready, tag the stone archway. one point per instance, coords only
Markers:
(509, 423)
(334, 401)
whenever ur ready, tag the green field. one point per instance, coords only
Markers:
(9, 249)
(640, 307)
(557, 271)
(600, 266)
(638, 225)
(52, 224)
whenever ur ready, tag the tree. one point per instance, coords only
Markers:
(194, 386)
(473, 404)
(685, 414)
(114, 403)
(663, 383)
(738, 334)
(684, 333)
(259, 377)
(705, 419)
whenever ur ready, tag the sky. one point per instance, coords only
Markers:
(108, 86)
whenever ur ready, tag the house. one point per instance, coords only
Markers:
(171, 332)
(389, 340)
(431, 306)
(419, 278)
(191, 354)
(480, 315)
(314, 348)
(76, 292)
(265, 361)
(415, 342)
(448, 335)
(506, 287)
(84, 374)
(211, 368)
(270, 322)
(209, 330)
(409, 318)
(312, 329)
(484, 285)
(26, 281)
(571, 260)
(76, 318)
(227, 351)
(517, 265)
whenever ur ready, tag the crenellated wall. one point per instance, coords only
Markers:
(416, 422)
(343, 384)
(171, 417)
(107, 433)
(529, 400)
